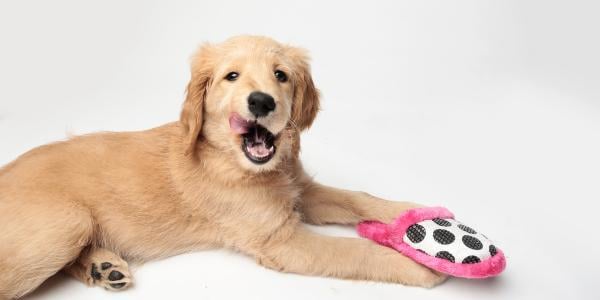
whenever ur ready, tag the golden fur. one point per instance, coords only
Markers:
(185, 186)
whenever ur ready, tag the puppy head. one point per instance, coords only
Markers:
(249, 97)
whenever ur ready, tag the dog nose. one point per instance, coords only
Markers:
(260, 104)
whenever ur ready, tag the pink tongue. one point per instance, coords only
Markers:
(238, 124)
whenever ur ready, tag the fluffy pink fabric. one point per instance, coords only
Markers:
(392, 235)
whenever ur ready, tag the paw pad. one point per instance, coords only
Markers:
(118, 285)
(110, 276)
(115, 275)
(105, 265)
(94, 273)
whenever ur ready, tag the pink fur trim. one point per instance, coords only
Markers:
(374, 230)
(487, 268)
(392, 235)
(399, 226)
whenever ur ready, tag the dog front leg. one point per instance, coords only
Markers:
(309, 253)
(327, 205)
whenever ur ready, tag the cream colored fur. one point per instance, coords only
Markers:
(185, 186)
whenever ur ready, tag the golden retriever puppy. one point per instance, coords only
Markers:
(227, 174)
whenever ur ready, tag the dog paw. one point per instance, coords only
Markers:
(413, 274)
(427, 278)
(434, 279)
(112, 275)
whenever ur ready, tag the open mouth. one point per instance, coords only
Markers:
(258, 143)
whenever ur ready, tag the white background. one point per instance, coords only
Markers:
(490, 108)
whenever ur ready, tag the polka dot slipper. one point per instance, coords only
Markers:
(431, 236)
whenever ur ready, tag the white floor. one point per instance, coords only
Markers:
(490, 108)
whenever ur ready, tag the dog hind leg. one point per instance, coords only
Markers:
(37, 239)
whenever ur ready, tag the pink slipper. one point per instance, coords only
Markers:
(431, 236)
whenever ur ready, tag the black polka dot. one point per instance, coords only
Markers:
(416, 233)
(472, 242)
(471, 260)
(441, 222)
(493, 250)
(445, 255)
(443, 236)
(467, 229)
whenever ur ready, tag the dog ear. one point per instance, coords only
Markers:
(306, 96)
(192, 112)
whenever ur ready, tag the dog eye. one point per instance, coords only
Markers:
(232, 76)
(281, 76)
